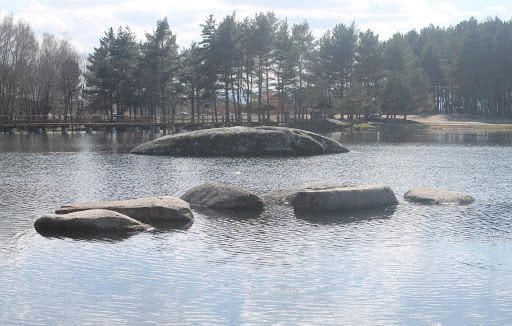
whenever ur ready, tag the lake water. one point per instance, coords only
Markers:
(410, 265)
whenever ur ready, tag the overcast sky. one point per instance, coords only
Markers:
(83, 22)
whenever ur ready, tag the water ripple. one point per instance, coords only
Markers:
(412, 264)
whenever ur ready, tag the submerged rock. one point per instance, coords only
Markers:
(91, 222)
(217, 195)
(246, 141)
(286, 195)
(344, 198)
(164, 210)
(425, 195)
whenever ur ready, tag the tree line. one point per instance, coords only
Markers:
(36, 77)
(257, 67)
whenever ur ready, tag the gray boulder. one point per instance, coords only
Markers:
(164, 210)
(425, 195)
(344, 198)
(90, 222)
(242, 141)
(216, 195)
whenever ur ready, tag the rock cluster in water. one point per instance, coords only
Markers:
(135, 215)
(163, 210)
(122, 217)
(242, 141)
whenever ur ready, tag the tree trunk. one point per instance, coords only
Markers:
(226, 97)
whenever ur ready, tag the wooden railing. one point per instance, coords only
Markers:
(43, 120)
(85, 119)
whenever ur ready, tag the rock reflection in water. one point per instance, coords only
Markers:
(345, 217)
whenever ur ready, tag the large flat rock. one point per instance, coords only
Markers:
(90, 223)
(217, 195)
(344, 198)
(242, 141)
(425, 195)
(164, 210)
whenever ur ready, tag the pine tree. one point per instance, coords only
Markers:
(101, 86)
(161, 62)
(303, 47)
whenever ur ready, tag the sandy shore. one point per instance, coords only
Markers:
(462, 121)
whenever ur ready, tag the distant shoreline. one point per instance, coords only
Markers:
(434, 122)
(462, 122)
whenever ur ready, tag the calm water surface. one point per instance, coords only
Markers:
(409, 265)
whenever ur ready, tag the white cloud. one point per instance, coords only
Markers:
(83, 22)
(498, 9)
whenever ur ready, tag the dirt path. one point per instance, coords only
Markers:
(461, 121)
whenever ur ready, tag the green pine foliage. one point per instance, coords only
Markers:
(258, 67)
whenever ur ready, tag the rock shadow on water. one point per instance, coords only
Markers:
(108, 237)
(228, 214)
(104, 237)
(346, 217)
(164, 227)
